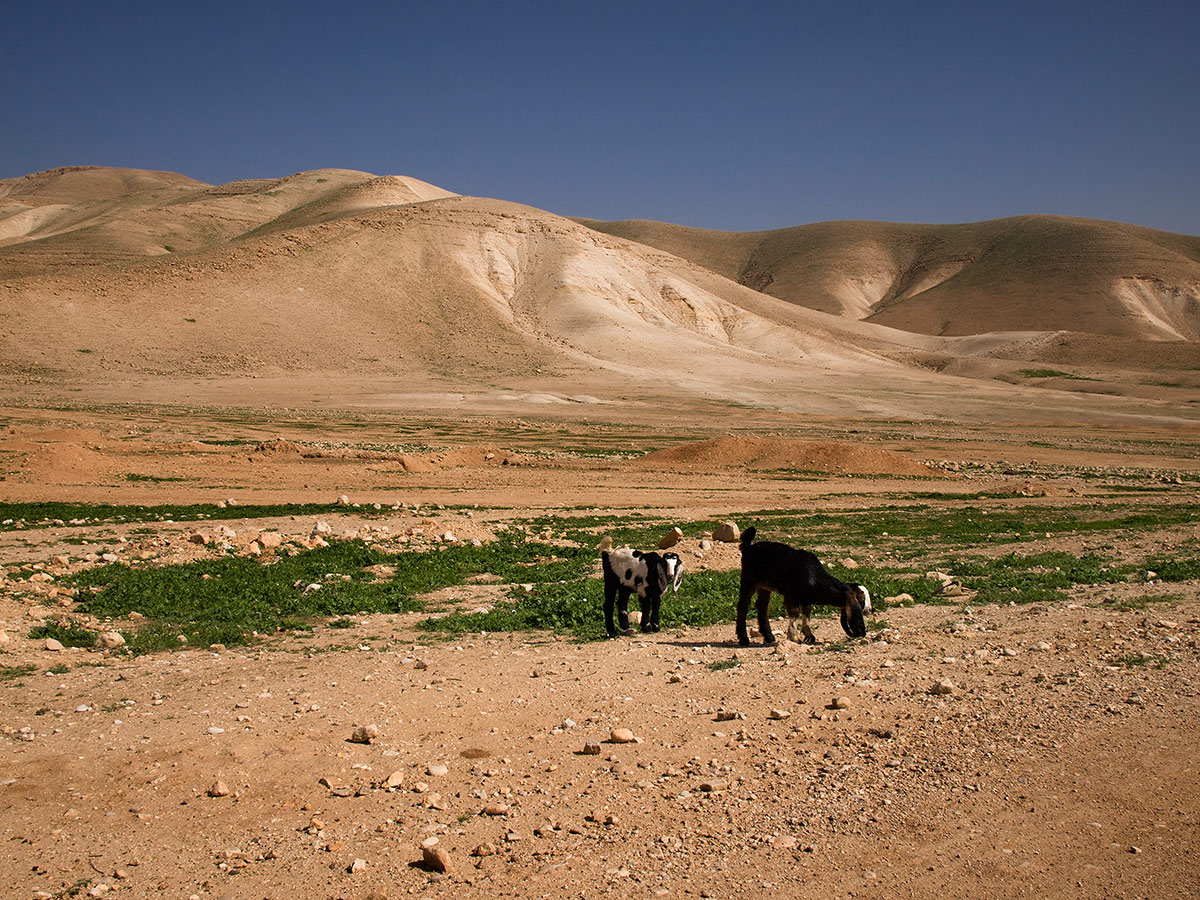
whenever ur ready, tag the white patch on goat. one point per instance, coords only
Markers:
(630, 570)
(866, 597)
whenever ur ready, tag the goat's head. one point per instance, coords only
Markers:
(672, 571)
(856, 601)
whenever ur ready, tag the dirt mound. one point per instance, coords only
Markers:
(784, 453)
(279, 448)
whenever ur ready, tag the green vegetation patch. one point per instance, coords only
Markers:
(12, 673)
(229, 600)
(548, 562)
(25, 515)
(1052, 373)
(720, 665)
(68, 634)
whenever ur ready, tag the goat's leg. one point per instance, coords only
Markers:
(743, 610)
(764, 617)
(623, 609)
(610, 596)
(809, 637)
(793, 612)
(650, 611)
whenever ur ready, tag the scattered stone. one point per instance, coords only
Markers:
(437, 859)
(393, 781)
(437, 770)
(714, 785)
(674, 678)
(779, 714)
(53, 645)
(850, 563)
(219, 789)
(364, 734)
(1040, 647)
(839, 703)
(359, 865)
(671, 538)
(729, 715)
(591, 748)
(198, 538)
(270, 540)
(109, 640)
(621, 736)
(727, 533)
(485, 849)
(495, 809)
(943, 686)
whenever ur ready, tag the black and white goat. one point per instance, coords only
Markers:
(646, 574)
(802, 581)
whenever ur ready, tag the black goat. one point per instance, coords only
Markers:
(802, 581)
(646, 574)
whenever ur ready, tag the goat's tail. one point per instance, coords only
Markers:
(748, 537)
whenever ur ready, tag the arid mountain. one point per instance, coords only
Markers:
(1030, 273)
(340, 286)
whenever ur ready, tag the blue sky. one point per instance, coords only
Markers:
(727, 115)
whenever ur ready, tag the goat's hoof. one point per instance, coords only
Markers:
(810, 639)
(768, 642)
(743, 642)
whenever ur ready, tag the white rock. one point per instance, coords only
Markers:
(728, 533)
(109, 640)
(437, 770)
(53, 645)
(944, 686)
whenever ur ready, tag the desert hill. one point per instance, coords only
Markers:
(341, 286)
(342, 272)
(1030, 273)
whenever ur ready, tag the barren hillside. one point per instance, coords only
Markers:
(1030, 273)
(340, 287)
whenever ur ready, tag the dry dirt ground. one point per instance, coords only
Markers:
(1060, 763)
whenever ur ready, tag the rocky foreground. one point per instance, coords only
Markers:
(1028, 750)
